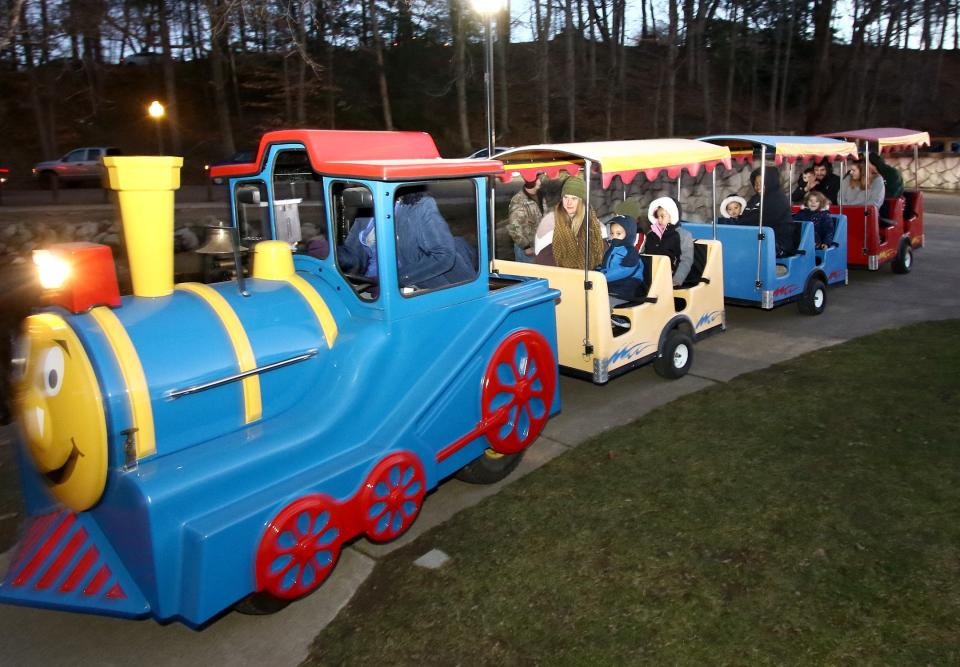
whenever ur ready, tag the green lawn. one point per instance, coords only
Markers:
(803, 514)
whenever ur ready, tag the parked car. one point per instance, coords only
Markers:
(240, 157)
(482, 153)
(142, 58)
(77, 166)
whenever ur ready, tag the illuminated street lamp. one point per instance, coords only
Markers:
(487, 9)
(157, 112)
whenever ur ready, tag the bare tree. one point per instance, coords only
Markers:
(503, 89)
(459, 72)
(543, 16)
(217, 12)
(822, 38)
(8, 32)
(45, 132)
(169, 79)
(671, 67)
(570, 79)
(785, 76)
(381, 69)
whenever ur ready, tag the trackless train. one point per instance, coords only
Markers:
(195, 447)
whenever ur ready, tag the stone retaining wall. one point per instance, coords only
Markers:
(24, 232)
(936, 172)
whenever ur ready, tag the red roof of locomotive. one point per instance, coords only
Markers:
(366, 154)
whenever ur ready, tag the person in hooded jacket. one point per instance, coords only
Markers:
(776, 210)
(428, 255)
(621, 262)
(667, 237)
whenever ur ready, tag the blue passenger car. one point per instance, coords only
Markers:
(753, 275)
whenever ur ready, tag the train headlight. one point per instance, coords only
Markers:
(78, 276)
(53, 270)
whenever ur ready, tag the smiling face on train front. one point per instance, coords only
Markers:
(60, 410)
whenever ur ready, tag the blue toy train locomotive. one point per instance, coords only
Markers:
(194, 446)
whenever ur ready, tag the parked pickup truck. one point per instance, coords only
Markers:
(79, 165)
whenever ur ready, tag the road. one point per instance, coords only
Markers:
(754, 339)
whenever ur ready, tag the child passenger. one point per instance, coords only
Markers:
(816, 209)
(668, 238)
(732, 207)
(621, 262)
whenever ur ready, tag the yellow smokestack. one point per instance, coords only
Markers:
(145, 187)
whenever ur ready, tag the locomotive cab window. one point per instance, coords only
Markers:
(299, 216)
(436, 228)
(253, 218)
(355, 236)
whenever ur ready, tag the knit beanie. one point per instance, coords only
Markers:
(629, 207)
(574, 186)
(668, 203)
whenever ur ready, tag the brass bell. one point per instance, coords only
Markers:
(220, 241)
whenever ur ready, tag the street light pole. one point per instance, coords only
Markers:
(486, 9)
(488, 82)
(157, 112)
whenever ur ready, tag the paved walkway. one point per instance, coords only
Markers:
(754, 339)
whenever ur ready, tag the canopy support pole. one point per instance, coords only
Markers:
(763, 187)
(916, 167)
(587, 286)
(714, 174)
(491, 203)
(790, 181)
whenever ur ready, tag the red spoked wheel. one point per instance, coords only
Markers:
(392, 496)
(299, 548)
(518, 389)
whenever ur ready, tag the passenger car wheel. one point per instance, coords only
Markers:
(489, 468)
(904, 260)
(814, 298)
(676, 357)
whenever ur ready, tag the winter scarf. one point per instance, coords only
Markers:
(570, 238)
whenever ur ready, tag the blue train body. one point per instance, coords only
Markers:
(358, 408)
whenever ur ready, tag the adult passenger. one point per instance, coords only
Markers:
(776, 210)
(563, 233)
(892, 180)
(862, 186)
(526, 211)
(428, 255)
(827, 182)
(808, 183)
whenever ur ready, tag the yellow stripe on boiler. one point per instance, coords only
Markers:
(133, 377)
(252, 404)
(318, 306)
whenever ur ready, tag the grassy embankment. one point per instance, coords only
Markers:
(803, 514)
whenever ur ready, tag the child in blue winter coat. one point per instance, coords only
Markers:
(816, 209)
(621, 262)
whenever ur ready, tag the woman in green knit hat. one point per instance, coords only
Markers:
(569, 232)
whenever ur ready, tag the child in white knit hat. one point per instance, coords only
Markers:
(732, 207)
